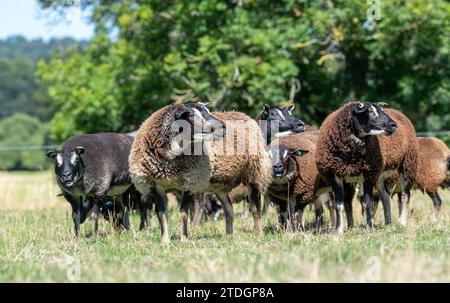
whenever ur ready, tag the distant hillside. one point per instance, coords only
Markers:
(19, 91)
(17, 47)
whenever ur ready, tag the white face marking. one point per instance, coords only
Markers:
(198, 114)
(59, 159)
(73, 158)
(375, 111)
(284, 134)
(373, 133)
(281, 114)
(285, 154)
(270, 154)
(290, 108)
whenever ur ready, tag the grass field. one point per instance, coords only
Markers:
(36, 245)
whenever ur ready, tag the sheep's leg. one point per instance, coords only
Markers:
(368, 202)
(186, 200)
(332, 209)
(76, 212)
(298, 217)
(76, 220)
(96, 215)
(161, 208)
(318, 211)
(282, 215)
(255, 207)
(403, 206)
(228, 212)
(386, 200)
(145, 211)
(437, 202)
(338, 190)
(123, 217)
(349, 192)
(191, 207)
(198, 209)
(265, 206)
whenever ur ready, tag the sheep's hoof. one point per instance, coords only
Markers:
(165, 240)
(340, 230)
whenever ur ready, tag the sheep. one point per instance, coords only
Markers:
(296, 181)
(157, 159)
(350, 151)
(132, 200)
(275, 122)
(88, 169)
(433, 171)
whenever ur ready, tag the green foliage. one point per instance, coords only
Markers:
(22, 130)
(242, 54)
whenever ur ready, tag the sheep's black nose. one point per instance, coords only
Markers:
(66, 174)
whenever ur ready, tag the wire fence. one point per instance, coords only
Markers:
(49, 147)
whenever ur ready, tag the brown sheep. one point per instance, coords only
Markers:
(156, 161)
(351, 150)
(296, 181)
(433, 171)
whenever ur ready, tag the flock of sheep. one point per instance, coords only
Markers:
(196, 154)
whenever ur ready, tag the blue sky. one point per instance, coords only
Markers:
(23, 17)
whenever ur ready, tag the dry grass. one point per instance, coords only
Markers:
(36, 244)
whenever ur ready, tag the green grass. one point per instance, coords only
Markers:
(36, 245)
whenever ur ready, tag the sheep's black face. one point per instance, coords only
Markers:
(69, 167)
(369, 119)
(280, 157)
(282, 119)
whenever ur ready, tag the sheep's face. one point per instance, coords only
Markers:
(281, 157)
(69, 166)
(369, 119)
(283, 120)
(195, 124)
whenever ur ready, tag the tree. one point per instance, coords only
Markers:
(242, 54)
(22, 130)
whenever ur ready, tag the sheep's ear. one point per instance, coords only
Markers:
(298, 152)
(182, 113)
(51, 154)
(382, 104)
(265, 112)
(80, 150)
(205, 104)
(290, 108)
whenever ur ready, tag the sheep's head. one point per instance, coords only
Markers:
(369, 119)
(281, 158)
(282, 120)
(69, 167)
(193, 123)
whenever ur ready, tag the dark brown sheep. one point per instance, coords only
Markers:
(296, 181)
(433, 171)
(351, 150)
